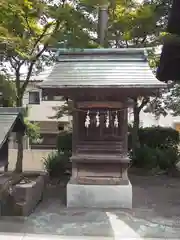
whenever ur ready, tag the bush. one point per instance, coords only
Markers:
(56, 164)
(159, 157)
(158, 148)
(156, 137)
(168, 157)
(64, 142)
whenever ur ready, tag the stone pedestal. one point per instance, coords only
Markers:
(100, 181)
(99, 196)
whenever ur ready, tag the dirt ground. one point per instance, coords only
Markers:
(160, 194)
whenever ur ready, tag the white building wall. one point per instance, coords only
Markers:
(43, 111)
(148, 120)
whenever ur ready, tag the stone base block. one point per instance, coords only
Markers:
(99, 196)
(28, 195)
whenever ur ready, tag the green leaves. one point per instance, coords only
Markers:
(172, 100)
(8, 91)
(32, 130)
(135, 25)
(28, 28)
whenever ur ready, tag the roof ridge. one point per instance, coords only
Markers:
(103, 51)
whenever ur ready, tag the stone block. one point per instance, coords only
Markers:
(99, 196)
(28, 195)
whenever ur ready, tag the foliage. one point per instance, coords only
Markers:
(158, 148)
(169, 64)
(8, 91)
(136, 25)
(64, 142)
(132, 24)
(156, 137)
(172, 100)
(28, 30)
(155, 157)
(32, 131)
(64, 110)
(56, 164)
(139, 25)
(168, 101)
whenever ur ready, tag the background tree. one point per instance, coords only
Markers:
(169, 63)
(28, 28)
(131, 25)
(138, 25)
(172, 100)
(7, 91)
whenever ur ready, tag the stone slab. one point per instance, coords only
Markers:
(28, 195)
(99, 196)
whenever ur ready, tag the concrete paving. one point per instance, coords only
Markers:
(155, 215)
(61, 223)
(85, 224)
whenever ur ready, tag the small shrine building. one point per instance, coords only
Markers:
(100, 83)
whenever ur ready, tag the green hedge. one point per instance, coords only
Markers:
(158, 148)
(156, 137)
(149, 158)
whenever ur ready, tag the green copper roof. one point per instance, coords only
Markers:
(123, 68)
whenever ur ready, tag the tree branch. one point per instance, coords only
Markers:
(36, 58)
(24, 86)
(12, 64)
(143, 104)
(30, 29)
(144, 39)
(41, 36)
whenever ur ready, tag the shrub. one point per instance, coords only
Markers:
(159, 157)
(64, 142)
(168, 157)
(158, 147)
(156, 137)
(56, 163)
(144, 157)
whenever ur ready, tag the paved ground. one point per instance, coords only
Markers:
(155, 214)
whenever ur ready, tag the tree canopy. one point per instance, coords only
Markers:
(29, 29)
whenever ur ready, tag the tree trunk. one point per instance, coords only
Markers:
(19, 162)
(19, 138)
(135, 136)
